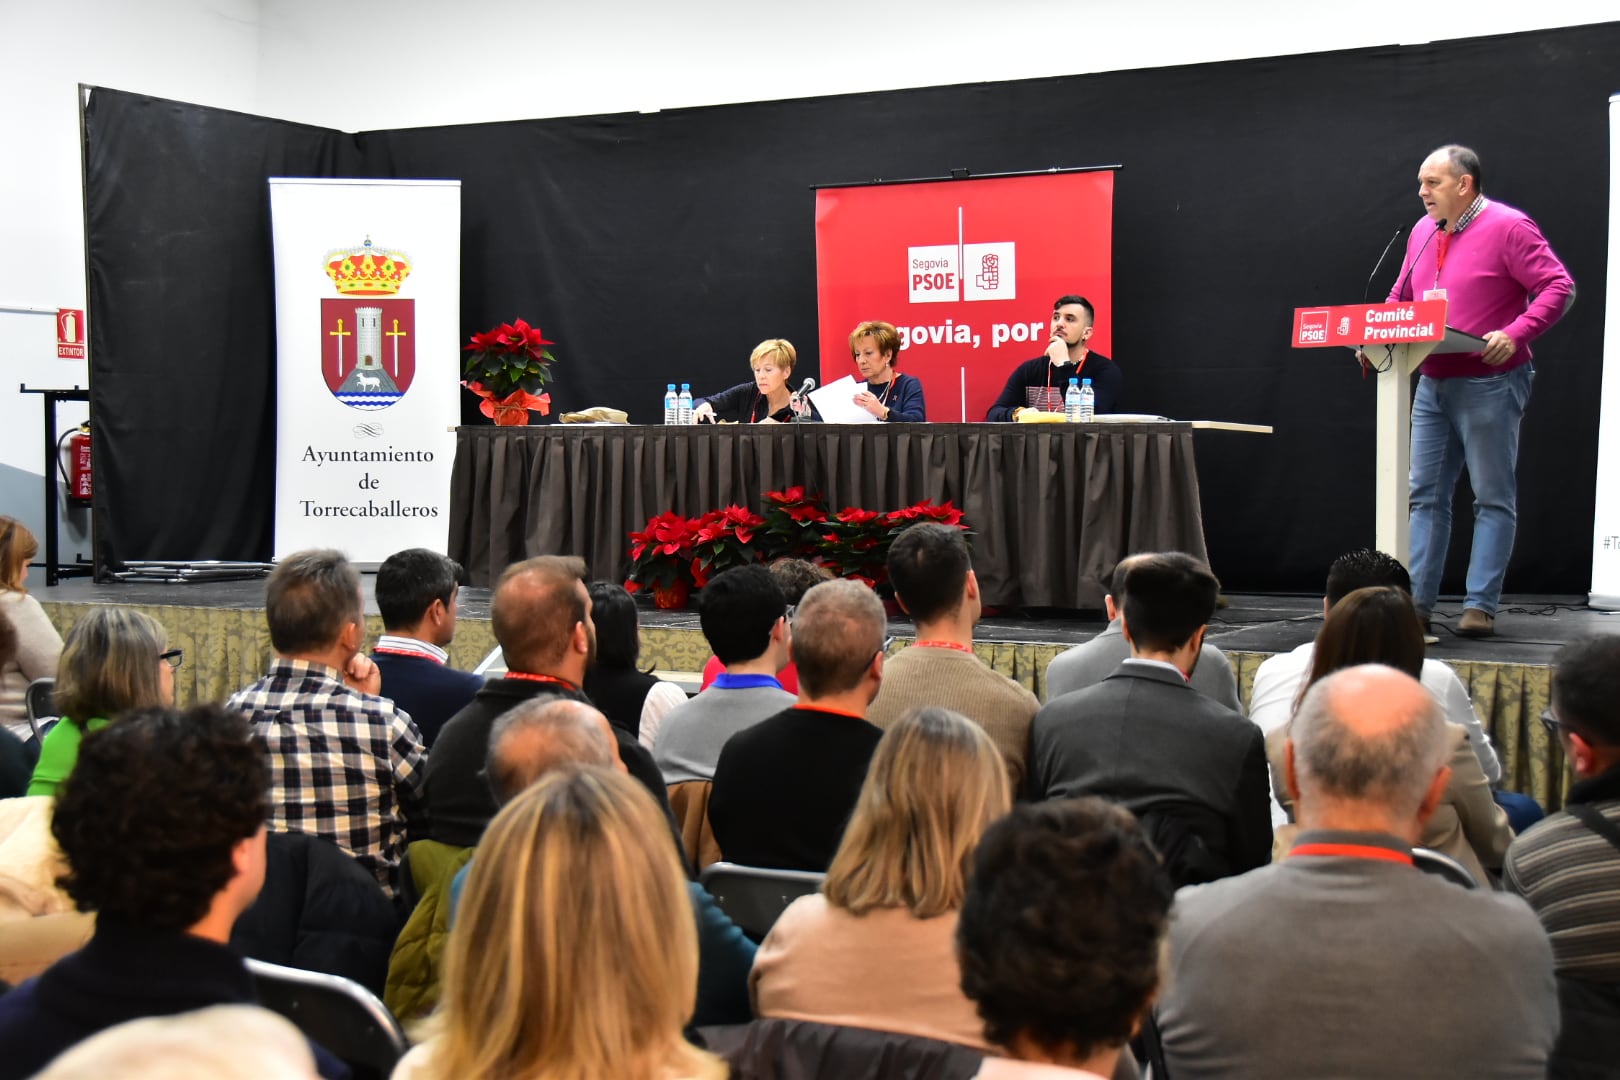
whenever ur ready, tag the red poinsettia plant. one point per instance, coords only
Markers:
(508, 366)
(793, 523)
(726, 538)
(661, 558)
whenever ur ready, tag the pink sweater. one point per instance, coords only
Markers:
(1499, 274)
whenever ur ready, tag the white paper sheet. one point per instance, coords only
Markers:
(836, 402)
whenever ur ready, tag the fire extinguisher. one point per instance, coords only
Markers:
(76, 471)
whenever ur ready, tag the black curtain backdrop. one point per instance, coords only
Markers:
(662, 247)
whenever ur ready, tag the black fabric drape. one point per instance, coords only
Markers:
(1052, 507)
(663, 247)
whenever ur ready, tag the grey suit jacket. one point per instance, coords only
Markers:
(1326, 965)
(1145, 739)
(1091, 662)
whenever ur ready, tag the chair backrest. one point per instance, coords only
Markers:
(754, 897)
(41, 702)
(689, 801)
(341, 1015)
(771, 1048)
(1444, 866)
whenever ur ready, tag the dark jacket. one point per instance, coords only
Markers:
(774, 1048)
(321, 911)
(742, 404)
(429, 691)
(905, 400)
(1106, 379)
(620, 693)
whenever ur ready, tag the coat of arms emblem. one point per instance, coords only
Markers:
(368, 334)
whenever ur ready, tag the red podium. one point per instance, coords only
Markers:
(1395, 339)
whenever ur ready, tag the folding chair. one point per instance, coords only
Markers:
(755, 897)
(1444, 866)
(341, 1015)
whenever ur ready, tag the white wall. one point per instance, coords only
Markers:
(480, 60)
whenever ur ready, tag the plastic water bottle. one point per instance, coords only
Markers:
(683, 405)
(671, 406)
(1088, 401)
(1071, 402)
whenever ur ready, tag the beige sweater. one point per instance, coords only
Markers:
(38, 647)
(962, 682)
(884, 970)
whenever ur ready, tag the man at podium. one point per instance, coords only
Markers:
(1503, 283)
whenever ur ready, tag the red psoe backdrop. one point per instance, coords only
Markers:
(967, 271)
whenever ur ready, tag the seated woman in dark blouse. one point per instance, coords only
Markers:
(887, 395)
(766, 400)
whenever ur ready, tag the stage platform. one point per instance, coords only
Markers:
(221, 627)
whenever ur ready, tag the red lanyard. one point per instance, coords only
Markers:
(1354, 851)
(1077, 368)
(941, 645)
(1440, 254)
(564, 683)
(409, 652)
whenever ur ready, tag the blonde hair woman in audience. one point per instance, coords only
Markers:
(574, 951)
(38, 643)
(875, 948)
(114, 660)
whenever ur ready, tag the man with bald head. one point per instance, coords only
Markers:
(1345, 959)
(785, 787)
(1502, 282)
(541, 615)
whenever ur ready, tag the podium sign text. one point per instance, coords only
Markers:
(1369, 324)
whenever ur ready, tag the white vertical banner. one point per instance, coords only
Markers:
(1606, 520)
(368, 291)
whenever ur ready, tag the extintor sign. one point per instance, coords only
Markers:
(70, 337)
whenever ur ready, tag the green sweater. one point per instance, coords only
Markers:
(59, 753)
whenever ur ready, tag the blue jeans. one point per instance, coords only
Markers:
(1474, 422)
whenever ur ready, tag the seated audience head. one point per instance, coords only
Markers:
(1586, 703)
(838, 638)
(1366, 752)
(114, 659)
(162, 821)
(574, 951)
(935, 783)
(541, 615)
(742, 612)
(1369, 626)
(312, 603)
(1364, 568)
(618, 632)
(17, 549)
(932, 575)
(1169, 598)
(881, 344)
(542, 734)
(1061, 933)
(224, 1042)
(797, 577)
(416, 594)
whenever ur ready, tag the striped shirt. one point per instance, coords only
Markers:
(1571, 877)
(344, 766)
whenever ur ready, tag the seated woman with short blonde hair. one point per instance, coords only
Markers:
(875, 948)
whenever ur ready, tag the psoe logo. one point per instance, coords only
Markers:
(1313, 327)
(941, 273)
(368, 334)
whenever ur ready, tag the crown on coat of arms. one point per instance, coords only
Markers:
(367, 271)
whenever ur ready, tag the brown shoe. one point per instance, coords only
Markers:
(1475, 623)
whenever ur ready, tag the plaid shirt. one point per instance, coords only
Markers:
(345, 766)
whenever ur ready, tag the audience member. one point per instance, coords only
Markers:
(876, 947)
(541, 616)
(1279, 680)
(115, 659)
(541, 736)
(1060, 938)
(15, 766)
(935, 584)
(574, 952)
(633, 700)
(744, 617)
(163, 827)
(1380, 626)
(345, 764)
(795, 577)
(221, 1042)
(416, 597)
(38, 643)
(784, 788)
(1344, 959)
(1193, 770)
(1090, 662)
(1568, 867)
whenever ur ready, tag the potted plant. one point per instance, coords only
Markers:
(724, 539)
(661, 559)
(508, 366)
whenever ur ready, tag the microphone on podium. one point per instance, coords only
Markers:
(796, 399)
(1366, 294)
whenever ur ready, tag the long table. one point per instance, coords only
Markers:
(1052, 506)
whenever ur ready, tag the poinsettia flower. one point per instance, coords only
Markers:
(700, 573)
(854, 515)
(807, 514)
(790, 497)
(631, 585)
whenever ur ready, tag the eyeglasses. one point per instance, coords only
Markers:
(1550, 722)
(174, 657)
(888, 643)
